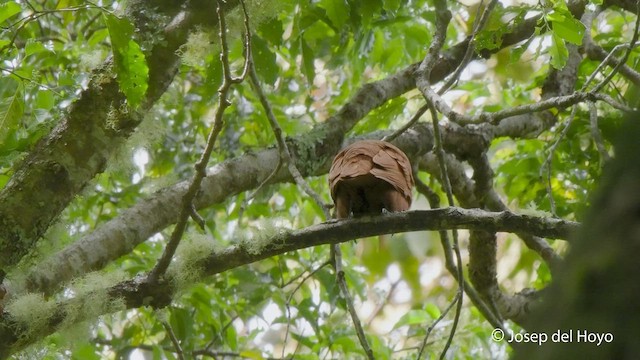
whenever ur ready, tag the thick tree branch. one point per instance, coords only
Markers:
(140, 292)
(78, 148)
(120, 235)
(62, 179)
(187, 208)
(482, 244)
(328, 137)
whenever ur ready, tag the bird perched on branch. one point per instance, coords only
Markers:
(368, 176)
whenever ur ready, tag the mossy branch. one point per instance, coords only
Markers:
(140, 292)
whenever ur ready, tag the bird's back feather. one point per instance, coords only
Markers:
(369, 175)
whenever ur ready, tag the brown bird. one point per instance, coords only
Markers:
(368, 176)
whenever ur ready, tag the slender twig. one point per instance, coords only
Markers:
(305, 276)
(596, 52)
(286, 158)
(22, 22)
(622, 61)
(554, 102)
(221, 331)
(381, 304)
(293, 292)
(174, 340)
(547, 164)
(24, 78)
(249, 67)
(456, 248)
(593, 113)
(264, 182)
(342, 283)
(595, 132)
(455, 300)
(196, 217)
(434, 202)
(479, 23)
(187, 209)
(433, 100)
(593, 94)
(285, 154)
(495, 117)
(488, 313)
(248, 56)
(535, 243)
(443, 16)
(612, 102)
(560, 102)
(406, 126)
(609, 58)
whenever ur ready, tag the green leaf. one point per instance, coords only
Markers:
(97, 37)
(308, 310)
(158, 352)
(265, 60)
(414, 317)
(231, 337)
(181, 322)
(213, 76)
(337, 11)
(33, 47)
(347, 343)
(433, 310)
(368, 9)
(8, 10)
(308, 67)
(45, 99)
(272, 31)
(517, 52)
(491, 36)
(544, 276)
(377, 46)
(67, 16)
(304, 340)
(11, 111)
(567, 27)
(85, 352)
(558, 51)
(120, 31)
(131, 65)
(251, 354)
(392, 5)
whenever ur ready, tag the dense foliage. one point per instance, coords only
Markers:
(107, 106)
